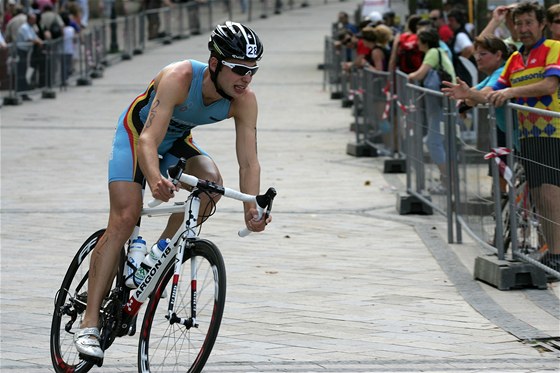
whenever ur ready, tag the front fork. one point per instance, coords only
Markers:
(187, 236)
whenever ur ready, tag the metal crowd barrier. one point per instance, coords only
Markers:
(518, 226)
(111, 39)
(372, 122)
(501, 211)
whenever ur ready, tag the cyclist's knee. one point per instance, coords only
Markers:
(125, 218)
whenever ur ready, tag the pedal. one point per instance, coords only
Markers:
(92, 360)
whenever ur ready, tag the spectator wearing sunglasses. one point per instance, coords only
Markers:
(444, 31)
(154, 131)
(553, 20)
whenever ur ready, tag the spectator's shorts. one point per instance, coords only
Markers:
(541, 160)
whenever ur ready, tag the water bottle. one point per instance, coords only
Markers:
(149, 260)
(136, 253)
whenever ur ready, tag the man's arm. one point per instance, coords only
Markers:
(169, 92)
(498, 16)
(245, 112)
(547, 86)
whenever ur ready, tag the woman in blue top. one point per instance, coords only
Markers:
(435, 58)
(491, 54)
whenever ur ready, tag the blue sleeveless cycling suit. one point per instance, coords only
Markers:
(177, 143)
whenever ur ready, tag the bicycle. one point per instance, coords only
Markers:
(529, 235)
(180, 332)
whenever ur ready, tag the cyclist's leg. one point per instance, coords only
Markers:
(204, 168)
(125, 196)
(199, 164)
(125, 207)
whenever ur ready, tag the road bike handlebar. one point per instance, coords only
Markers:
(263, 201)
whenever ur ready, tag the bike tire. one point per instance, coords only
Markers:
(68, 311)
(163, 345)
(69, 307)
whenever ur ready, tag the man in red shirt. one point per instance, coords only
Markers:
(444, 31)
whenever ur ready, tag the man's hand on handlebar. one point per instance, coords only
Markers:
(164, 189)
(253, 223)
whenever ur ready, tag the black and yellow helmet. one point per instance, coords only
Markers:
(235, 40)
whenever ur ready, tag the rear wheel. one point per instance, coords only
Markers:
(184, 343)
(70, 305)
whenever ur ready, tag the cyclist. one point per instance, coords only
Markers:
(158, 122)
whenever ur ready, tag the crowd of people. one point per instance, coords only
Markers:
(517, 56)
(38, 31)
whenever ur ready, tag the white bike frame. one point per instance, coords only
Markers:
(176, 247)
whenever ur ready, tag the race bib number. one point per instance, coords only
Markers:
(251, 51)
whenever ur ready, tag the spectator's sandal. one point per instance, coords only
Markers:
(87, 344)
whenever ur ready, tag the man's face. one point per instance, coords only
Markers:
(435, 17)
(528, 28)
(236, 75)
(453, 23)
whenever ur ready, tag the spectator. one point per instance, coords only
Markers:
(363, 49)
(405, 53)
(376, 39)
(491, 54)
(444, 31)
(434, 58)
(553, 21)
(74, 14)
(9, 13)
(345, 41)
(84, 13)
(51, 23)
(502, 14)
(344, 33)
(374, 18)
(26, 39)
(531, 76)
(69, 36)
(344, 23)
(426, 24)
(461, 44)
(389, 20)
(14, 24)
(153, 6)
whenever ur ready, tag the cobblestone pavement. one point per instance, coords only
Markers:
(339, 283)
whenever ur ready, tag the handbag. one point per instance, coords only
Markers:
(443, 75)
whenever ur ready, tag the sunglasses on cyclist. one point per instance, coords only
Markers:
(241, 70)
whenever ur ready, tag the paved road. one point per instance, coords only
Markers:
(339, 283)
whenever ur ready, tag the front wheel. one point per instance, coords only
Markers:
(184, 343)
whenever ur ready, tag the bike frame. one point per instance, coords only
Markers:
(176, 247)
(174, 251)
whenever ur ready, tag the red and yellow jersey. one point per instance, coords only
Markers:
(543, 61)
